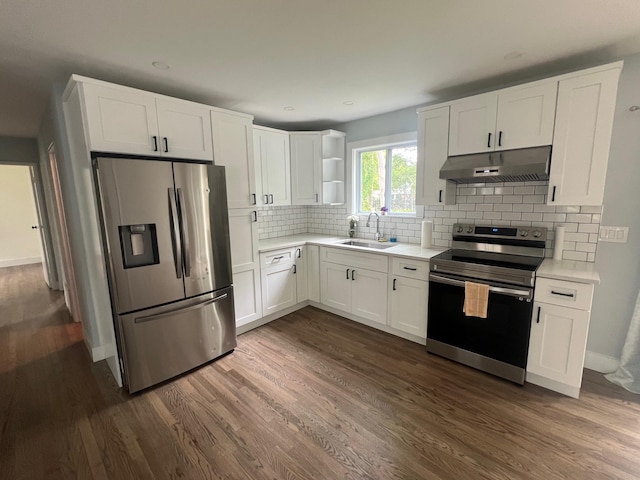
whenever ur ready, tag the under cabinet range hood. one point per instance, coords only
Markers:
(506, 166)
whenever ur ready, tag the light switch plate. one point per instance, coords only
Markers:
(614, 234)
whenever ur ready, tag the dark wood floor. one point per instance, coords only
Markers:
(309, 396)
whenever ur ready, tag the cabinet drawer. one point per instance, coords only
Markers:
(405, 267)
(561, 292)
(284, 256)
(370, 261)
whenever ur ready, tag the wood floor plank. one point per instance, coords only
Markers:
(309, 396)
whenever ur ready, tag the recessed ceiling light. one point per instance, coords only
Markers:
(161, 65)
(289, 109)
(348, 102)
(513, 55)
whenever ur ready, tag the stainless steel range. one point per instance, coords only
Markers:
(505, 259)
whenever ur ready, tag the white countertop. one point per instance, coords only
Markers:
(569, 270)
(399, 249)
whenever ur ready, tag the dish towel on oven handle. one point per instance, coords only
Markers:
(476, 299)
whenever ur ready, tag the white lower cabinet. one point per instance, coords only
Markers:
(302, 274)
(247, 296)
(312, 253)
(559, 332)
(349, 287)
(278, 280)
(408, 305)
(243, 233)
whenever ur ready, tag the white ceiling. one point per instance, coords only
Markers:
(259, 56)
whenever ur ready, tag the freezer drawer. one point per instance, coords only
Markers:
(163, 342)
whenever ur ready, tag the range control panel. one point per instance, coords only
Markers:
(465, 230)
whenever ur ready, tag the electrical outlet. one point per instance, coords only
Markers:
(614, 234)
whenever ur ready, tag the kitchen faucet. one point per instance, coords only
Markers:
(378, 235)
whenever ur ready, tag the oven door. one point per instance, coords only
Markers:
(497, 344)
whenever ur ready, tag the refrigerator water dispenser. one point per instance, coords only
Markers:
(139, 245)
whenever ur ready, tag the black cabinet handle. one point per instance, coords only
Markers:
(553, 195)
(538, 319)
(500, 139)
(317, 198)
(255, 216)
(347, 274)
(410, 268)
(394, 284)
(254, 198)
(353, 274)
(155, 143)
(166, 144)
(440, 196)
(489, 141)
(295, 269)
(299, 252)
(266, 199)
(562, 294)
(271, 198)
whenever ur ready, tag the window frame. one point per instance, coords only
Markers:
(353, 173)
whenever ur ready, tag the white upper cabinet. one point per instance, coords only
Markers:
(306, 168)
(526, 116)
(582, 137)
(516, 117)
(122, 121)
(272, 160)
(233, 148)
(125, 120)
(433, 139)
(185, 129)
(473, 124)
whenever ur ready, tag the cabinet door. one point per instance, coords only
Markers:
(278, 288)
(243, 235)
(185, 129)
(121, 121)
(306, 162)
(312, 253)
(233, 148)
(433, 146)
(302, 272)
(369, 295)
(473, 124)
(335, 286)
(526, 116)
(272, 151)
(558, 342)
(408, 305)
(247, 296)
(582, 135)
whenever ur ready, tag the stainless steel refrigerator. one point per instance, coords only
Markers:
(165, 229)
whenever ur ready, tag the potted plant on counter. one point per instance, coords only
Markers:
(353, 224)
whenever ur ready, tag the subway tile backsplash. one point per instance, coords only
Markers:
(509, 204)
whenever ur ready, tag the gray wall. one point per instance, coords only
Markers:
(618, 264)
(16, 150)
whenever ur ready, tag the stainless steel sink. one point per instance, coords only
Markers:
(357, 243)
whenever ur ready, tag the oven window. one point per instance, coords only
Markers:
(503, 335)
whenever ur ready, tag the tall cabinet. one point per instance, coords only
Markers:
(233, 148)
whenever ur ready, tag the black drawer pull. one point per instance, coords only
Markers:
(489, 141)
(353, 274)
(563, 294)
(394, 283)
(410, 268)
(538, 319)
(347, 274)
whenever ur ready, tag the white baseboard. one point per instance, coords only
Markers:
(20, 261)
(600, 362)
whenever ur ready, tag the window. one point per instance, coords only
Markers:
(385, 176)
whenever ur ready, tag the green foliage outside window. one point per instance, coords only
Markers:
(374, 184)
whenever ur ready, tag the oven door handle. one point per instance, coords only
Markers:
(526, 294)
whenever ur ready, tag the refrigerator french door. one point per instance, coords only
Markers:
(166, 235)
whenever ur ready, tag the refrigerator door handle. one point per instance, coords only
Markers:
(182, 309)
(184, 234)
(175, 233)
